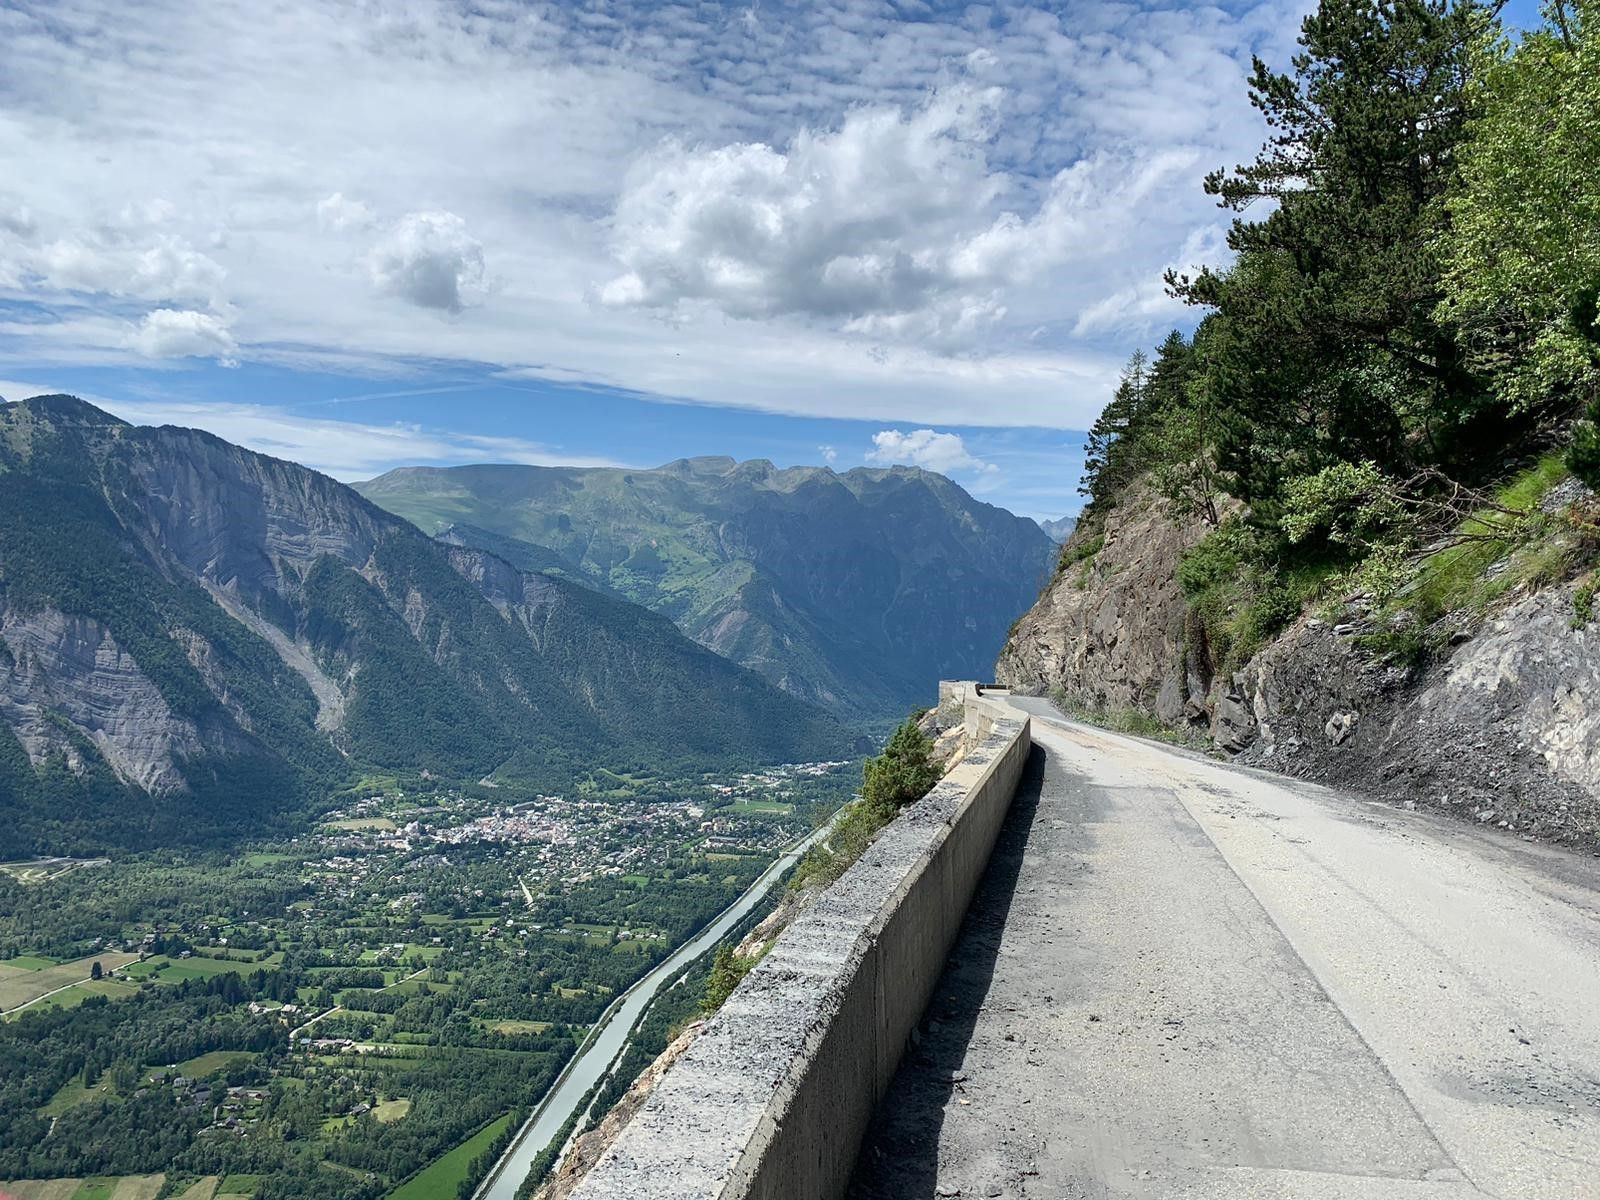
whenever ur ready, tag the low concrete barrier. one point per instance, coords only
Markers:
(771, 1101)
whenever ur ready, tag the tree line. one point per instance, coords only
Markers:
(1409, 315)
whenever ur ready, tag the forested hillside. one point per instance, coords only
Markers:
(1384, 423)
(196, 640)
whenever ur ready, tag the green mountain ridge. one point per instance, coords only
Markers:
(855, 590)
(197, 640)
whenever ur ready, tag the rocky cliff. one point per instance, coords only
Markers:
(1108, 631)
(1498, 722)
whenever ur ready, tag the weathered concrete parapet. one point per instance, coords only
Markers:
(771, 1101)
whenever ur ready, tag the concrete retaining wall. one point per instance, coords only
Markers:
(772, 1100)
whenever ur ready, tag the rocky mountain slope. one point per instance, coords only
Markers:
(857, 590)
(1488, 711)
(196, 639)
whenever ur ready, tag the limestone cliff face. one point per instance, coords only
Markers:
(1502, 727)
(64, 679)
(1109, 628)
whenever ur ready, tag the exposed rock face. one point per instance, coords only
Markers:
(1109, 629)
(65, 674)
(1503, 729)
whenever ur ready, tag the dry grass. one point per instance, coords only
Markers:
(137, 1187)
(41, 1189)
(19, 986)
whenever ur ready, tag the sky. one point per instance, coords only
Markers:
(363, 235)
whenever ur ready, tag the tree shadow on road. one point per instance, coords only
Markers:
(900, 1155)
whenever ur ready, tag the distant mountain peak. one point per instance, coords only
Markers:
(59, 407)
(1060, 529)
(704, 464)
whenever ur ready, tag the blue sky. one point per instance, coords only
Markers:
(849, 231)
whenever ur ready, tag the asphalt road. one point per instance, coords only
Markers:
(1187, 981)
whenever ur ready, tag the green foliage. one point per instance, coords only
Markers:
(1351, 505)
(901, 775)
(1523, 244)
(903, 772)
(727, 971)
(1418, 305)
(1240, 598)
(1583, 600)
(1501, 551)
(1583, 458)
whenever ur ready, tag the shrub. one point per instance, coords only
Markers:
(1583, 458)
(903, 772)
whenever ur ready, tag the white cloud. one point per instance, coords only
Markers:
(118, 263)
(347, 450)
(429, 259)
(945, 453)
(16, 389)
(830, 454)
(893, 237)
(869, 220)
(1140, 307)
(183, 333)
(337, 214)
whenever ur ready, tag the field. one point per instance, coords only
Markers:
(175, 970)
(72, 1093)
(23, 985)
(207, 1064)
(356, 823)
(41, 870)
(390, 1111)
(762, 806)
(443, 1176)
(128, 1187)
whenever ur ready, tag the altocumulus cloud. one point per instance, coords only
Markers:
(922, 214)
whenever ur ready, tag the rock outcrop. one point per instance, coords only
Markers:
(1109, 630)
(1501, 727)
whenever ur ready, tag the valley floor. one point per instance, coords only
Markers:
(1184, 980)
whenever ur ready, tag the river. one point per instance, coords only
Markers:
(597, 1054)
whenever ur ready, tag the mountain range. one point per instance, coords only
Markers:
(1060, 529)
(856, 590)
(196, 639)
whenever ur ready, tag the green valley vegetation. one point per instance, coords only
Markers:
(858, 591)
(1402, 360)
(901, 775)
(370, 1007)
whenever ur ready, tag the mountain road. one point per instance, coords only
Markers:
(1185, 980)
